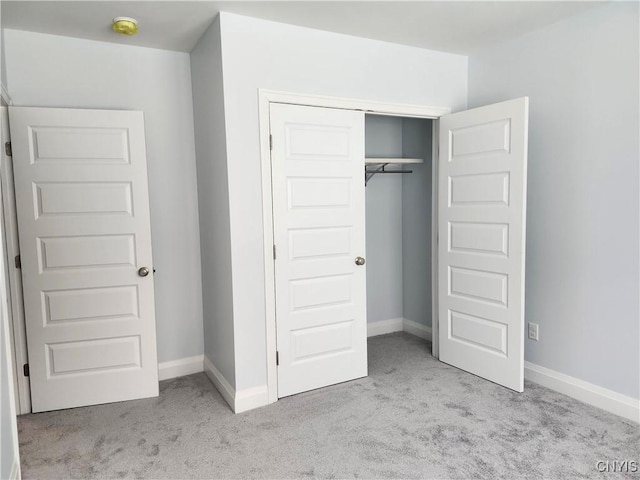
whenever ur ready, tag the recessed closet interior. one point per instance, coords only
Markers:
(398, 221)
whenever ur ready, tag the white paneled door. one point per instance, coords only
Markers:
(85, 243)
(481, 221)
(317, 163)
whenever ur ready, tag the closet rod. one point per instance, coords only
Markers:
(368, 174)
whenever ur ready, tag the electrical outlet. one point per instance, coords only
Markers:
(533, 331)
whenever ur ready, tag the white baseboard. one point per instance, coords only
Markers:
(251, 398)
(589, 393)
(417, 329)
(180, 367)
(221, 383)
(239, 401)
(15, 469)
(382, 327)
(586, 392)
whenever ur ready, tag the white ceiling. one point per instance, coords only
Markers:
(456, 27)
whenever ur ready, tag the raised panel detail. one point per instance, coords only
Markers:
(317, 142)
(314, 342)
(478, 285)
(93, 355)
(319, 242)
(90, 304)
(492, 137)
(320, 292)
(488, 238)
(319, 193)
(478, 332)
(80, 198)
(86, 251)
(480, 189)
(80, 145)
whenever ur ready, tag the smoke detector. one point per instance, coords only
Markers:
(125, 25)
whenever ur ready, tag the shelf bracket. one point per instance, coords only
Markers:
(369, 172)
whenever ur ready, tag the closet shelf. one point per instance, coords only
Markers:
(375, 165)
(378, 161)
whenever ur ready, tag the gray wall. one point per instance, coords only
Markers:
(582, 278)
(416, 221)
(383, 138)
(399, 222)
(213, 196)
(3, 69)
(53, 71)
(261, 54)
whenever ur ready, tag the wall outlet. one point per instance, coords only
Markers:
(533, 331)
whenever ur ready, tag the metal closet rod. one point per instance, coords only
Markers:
(368, 174)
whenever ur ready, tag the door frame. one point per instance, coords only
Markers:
(16, 319)
(265, 98)
(15, 293)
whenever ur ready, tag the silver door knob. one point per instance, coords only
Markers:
(143, 272)
(359, 261)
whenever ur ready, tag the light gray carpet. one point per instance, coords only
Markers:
(413, 417)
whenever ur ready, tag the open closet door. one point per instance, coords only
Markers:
(481, 221)
(317, 163)
(85, 246)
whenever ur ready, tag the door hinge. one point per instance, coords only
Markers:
(277, 358)
(7, 149)
(270, 142)
(274, 252)
(17, 261)
(25, 369)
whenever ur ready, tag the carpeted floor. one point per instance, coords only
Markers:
(413, 417)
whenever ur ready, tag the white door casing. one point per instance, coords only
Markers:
(84, 231)
(16, 303)
(9, 398)
(481, 252)
(317, 165)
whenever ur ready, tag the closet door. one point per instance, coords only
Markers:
(481, 222)
(317, 163)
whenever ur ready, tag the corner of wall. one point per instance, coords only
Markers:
(220, 382)
(239, 400)
(213, 200)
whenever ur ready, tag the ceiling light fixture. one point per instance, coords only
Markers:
(125, 25)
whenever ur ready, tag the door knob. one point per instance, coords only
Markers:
(143, 271)
(359, 261)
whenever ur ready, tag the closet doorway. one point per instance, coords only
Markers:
(399, 224)
(314, 171)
